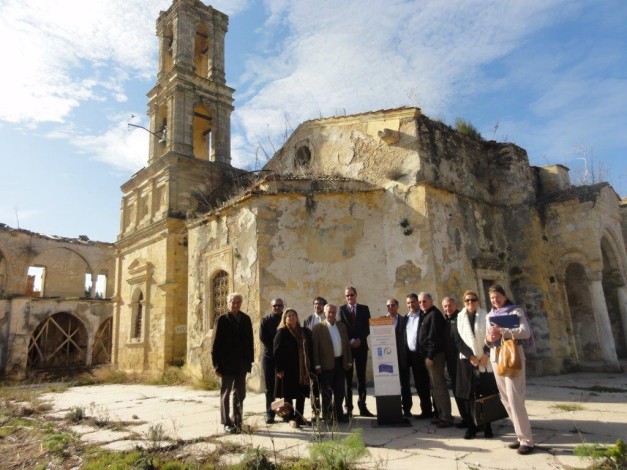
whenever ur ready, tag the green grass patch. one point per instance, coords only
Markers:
(341, 454)
(568, 406)
(97, 459)
(604, 457)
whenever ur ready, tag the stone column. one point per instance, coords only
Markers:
(568, 318)
(92, 290)
(602, 320)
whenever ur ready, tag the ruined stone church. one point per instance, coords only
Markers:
(388, 201)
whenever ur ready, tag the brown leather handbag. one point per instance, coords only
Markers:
(509, 361)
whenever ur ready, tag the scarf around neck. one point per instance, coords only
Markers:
(476, 340)
(528, 344)
(303, 367)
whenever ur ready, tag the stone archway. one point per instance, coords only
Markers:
(101, 351)
(612, 281)
(58, 341)
(582, 315)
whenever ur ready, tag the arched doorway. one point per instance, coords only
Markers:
(58, 341)
(582, 313)
(101, 352)
(612, 281)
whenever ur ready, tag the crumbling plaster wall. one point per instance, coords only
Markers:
(225, 240)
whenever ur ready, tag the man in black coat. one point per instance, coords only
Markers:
(403, 367)
(412, 326)
(432, 338)
(449, 307)
(267, 332)
(356, 317)
(232, 354)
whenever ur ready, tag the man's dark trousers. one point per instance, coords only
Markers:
(360, 361)
(237, 384)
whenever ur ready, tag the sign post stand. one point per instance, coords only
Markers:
(387, 386)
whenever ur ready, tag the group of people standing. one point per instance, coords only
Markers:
(318, 359)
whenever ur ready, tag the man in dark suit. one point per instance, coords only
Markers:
(232, 356)
(449, 307)
(403, 368)
(267, 332)
(415, 360)
(432, 339)
(318, 315)
(312, 320)
(331, 357)
(356, 317)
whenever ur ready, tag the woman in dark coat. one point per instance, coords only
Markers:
(474, 360)
(292, 359)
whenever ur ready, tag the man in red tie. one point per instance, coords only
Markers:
(356, 317)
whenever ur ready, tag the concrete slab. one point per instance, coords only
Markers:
(565, 411)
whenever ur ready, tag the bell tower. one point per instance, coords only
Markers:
(189, 157)
(190, 106)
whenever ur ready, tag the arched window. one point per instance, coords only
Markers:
(137, 317)
(219, 293)
(303, 157)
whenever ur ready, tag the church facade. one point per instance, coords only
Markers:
(388, 201)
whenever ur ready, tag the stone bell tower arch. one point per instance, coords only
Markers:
(190, 106)
(189, 157)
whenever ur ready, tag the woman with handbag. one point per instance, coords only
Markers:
(511, 381)
(473, 363)
(292, 354)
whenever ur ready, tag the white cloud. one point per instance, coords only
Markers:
(121, 147)
(65, 52)
(357, 55)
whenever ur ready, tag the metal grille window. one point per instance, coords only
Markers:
(137, 321)
(220, 291)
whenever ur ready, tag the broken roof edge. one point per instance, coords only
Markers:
(81, 239)
(356, 186)
(390, 113)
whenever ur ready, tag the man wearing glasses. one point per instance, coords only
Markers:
(413, 324)
(267, 332)
(356, 317)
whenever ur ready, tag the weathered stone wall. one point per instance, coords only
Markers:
(23, 315)
(157, 266)
(223, 241)
(66, 262)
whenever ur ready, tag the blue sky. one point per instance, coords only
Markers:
(549, 75)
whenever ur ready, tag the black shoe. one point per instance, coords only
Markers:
(343, 419)
(364, 411)
(424, 416)
(407, 414)
(470, 433)
(462, 425)
(514, 445)
(230, 429)
(444, 424)
(269, 419)
(487, 432)
(524, 450)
